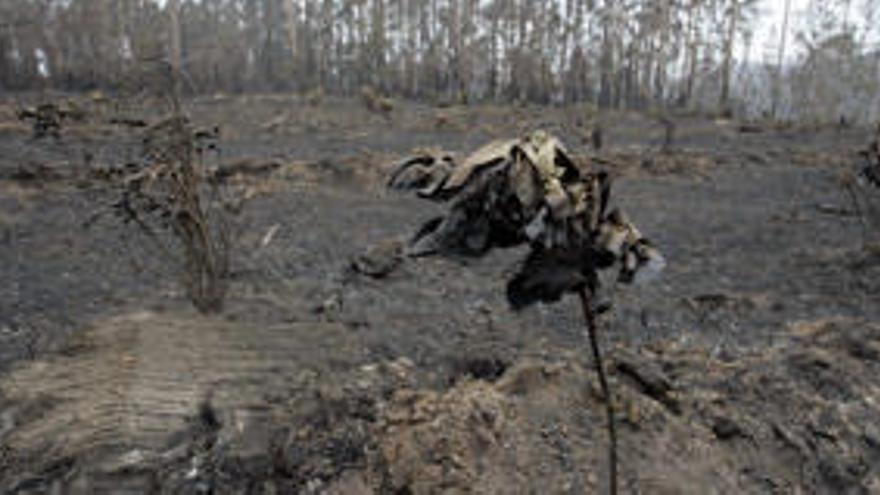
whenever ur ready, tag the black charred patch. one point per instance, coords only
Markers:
(486, 368)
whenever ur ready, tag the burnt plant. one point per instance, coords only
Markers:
(173, 191)
(46, 119)
(177, 204)
(528, 191)
(168, 192)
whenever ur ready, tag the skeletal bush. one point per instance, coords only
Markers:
(170, 191)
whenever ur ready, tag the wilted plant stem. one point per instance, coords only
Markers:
(586, 296)
(858, 210)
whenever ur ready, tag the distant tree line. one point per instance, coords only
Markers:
(625, 54)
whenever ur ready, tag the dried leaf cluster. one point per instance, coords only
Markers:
(527, 191)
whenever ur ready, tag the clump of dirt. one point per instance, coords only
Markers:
(519, 431)
(799, 417)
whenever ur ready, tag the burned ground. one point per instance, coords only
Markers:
(750, 366)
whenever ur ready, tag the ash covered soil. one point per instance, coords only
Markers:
(752, 365)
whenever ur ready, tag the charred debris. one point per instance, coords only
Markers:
(871, 169)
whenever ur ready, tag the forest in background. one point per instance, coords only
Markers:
(615, 54)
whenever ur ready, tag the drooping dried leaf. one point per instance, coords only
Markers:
(541, 149)
(528, 190)
(425, 172)
(526, 184)
(490, 154)
(546, 275)
(477, 222)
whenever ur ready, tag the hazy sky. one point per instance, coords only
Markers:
(771, 14)
(770, 20)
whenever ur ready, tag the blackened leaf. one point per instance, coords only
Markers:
(427, 240)
(547, 274)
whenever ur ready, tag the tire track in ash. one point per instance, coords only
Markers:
(130, 382)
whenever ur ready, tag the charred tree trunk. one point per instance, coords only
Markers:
(777, 82)
(175, 50)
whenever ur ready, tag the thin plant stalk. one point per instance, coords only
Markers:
(858, 210)
(586, 297)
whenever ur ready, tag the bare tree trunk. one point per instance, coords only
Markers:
(660, 71)
(175, 49)
(564, 56)
(455, 48)
(777, 83)
(692, 55)
(647, 76)
(290, 18)
(493, 53)
(606, 61)
(724, 98)
(269, 28)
